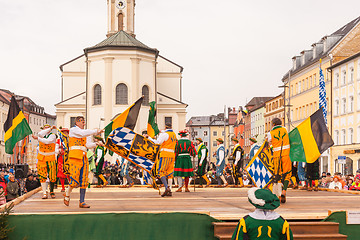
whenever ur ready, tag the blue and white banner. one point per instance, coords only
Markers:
(322, 95)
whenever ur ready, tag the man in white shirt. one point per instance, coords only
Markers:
(80, 140)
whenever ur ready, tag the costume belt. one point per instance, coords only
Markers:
(46, 153)
(279, 148)
(167, 150)
(184, 154)
(82, 148)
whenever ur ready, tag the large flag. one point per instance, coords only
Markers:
(134, 147)
(261, 168)
(152, 127)
(322, 95)
(16, 126)
(126, 119)
(310, 139)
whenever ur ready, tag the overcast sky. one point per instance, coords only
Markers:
(231, 50)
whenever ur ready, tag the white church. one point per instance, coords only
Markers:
(114, 73)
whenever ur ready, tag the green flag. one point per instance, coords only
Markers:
(152, 127)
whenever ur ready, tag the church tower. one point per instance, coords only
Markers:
(121, 16)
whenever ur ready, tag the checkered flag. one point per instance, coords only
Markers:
(123, 137)
(259, 173)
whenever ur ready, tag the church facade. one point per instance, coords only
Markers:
(114, 73)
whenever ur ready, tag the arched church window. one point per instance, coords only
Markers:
(121, 94)
(97, 94)
(145, 93)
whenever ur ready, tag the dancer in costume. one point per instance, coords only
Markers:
(238, 154)
(99, 156)
(167, 140)
(124, 173)
(264, 223)
(183, 167)
(220, 163)
(302, 175)
(279, 139)
(202, 153)
(46, 165)
(313, 174)
(61, 154)
(80, 140)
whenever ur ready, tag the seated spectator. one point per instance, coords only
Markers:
(12, 188)
(335, 184)
(246, 180)
(2, 195)
(31, 183)
(324, 183)
(356, 185)
(3, 181)
(349, 182)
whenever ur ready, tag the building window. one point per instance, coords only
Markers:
(344, 78)
(121, 95)
(205, 133)
(97, 94)
(72, 121)
(336, 137)
(343, 136)
(311, 82)
(215, 133)
(336, 107)
(145, 93)
(337, 80)
(351, 75)
(351, 104)
(351, 136)
(196, 133)
(315, 79)
(343, 102)
(299, 87)
(214, 143)
(205, 143)
(168, 120)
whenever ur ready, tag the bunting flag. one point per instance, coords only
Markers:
(152, 127)
(322, 95)
(16, 126)
(310, 139)
(134, 147)
(261, 168)
(126, 119)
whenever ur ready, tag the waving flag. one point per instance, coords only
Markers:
(322, 95)
(126, 119)
(134, 147)
(152, 127)
(16, 126)
(260, 168)
(310, 139)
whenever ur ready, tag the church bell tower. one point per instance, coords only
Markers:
(120, 16)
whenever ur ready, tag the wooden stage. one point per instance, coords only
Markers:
(220, 203)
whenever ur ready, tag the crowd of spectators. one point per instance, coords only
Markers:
(341, 182)
(12, 186)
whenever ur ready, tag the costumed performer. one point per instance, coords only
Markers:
(264, 223)
(220, 163)
(167, 140)
(238, 154)
(202, 153)
(46, 165)
(279, 139)
(61, 158)
(183, 166)
(80, 140)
